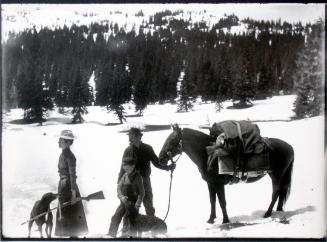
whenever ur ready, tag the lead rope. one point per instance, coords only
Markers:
(171, 180)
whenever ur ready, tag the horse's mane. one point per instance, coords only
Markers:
(194, 144)
(198, 136)
(195, 139)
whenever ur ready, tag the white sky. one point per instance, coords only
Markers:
(287, 12)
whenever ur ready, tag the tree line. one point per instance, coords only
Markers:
(165, 60)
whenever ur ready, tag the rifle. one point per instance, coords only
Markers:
(93, 196)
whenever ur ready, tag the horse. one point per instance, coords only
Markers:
(194, 143)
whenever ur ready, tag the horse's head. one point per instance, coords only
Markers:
(172, 145)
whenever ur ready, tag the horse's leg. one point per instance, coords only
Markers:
(222, 201)
(212, 195)
(30, 223)
(282, 195)
(281, 159)
(40, 230)
(275, 194)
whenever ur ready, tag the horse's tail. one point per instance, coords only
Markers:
(287, 178)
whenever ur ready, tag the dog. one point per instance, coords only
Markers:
(152, 224)
(42, 206)
(142, 223)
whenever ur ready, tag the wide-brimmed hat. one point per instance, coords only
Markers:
(67, 134)
(129, 156)
(135, 131)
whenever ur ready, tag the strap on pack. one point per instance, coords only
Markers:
(239, 149)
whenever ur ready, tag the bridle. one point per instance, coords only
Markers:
(179, 149)
(172, 158)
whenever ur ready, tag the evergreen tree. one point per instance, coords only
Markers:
(244, 85)
(139, 70)
(33, 91)
(185, 102)
(186, 89)
(140, 91)
(113, 83)
(224, 89)
(79, 91)
(264, 87)
(309, 75)
(11, 56)
(80, 95)
(119, 90)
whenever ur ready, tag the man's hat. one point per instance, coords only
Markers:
(135, 131)
(128, 156)
(67, 134)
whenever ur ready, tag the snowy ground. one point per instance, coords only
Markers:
(29, 169)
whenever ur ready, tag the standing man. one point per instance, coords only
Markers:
(144, 155)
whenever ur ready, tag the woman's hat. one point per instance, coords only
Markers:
(128, 156)
(67, 134)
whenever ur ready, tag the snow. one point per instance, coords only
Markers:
(17, 17)
(30, 156)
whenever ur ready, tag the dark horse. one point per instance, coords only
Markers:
(193, 143)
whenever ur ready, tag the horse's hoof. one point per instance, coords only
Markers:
(211, 220)
(280, 209)
(225, 221)
(267, 215)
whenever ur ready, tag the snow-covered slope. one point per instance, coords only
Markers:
(29, 169)
(17, 17)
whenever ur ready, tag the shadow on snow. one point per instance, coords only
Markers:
(257, 218)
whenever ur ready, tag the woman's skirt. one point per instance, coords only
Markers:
(73, 221)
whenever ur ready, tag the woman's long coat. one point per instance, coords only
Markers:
(73, 222)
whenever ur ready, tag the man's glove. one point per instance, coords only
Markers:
(124, 199)
(74, 198)
(137, 206)
(171, 167)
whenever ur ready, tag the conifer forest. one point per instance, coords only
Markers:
(166, 60)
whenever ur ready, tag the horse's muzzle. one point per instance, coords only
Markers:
(163, 157)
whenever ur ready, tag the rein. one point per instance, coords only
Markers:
(171, 178)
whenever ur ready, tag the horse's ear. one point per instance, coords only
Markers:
(175, 127)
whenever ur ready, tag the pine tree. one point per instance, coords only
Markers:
(33, 90)
(119, 90)
(309, 75)
(224, 78)
(185, 100)
(264, 86)
(140, 70)
(244, 86)
(186, 90)
(112, 79)
(140, 92)
(11, 50)
(80, 95)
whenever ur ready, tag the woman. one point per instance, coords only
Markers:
(71, 219)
